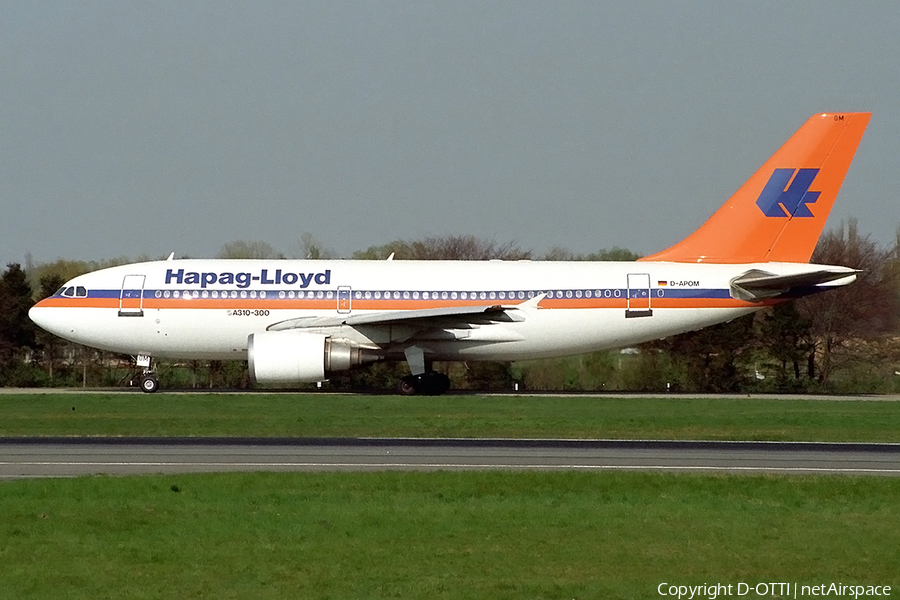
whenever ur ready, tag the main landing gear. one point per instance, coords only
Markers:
(430, 383)
(423, 380)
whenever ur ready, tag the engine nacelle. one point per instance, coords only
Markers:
(297, 357)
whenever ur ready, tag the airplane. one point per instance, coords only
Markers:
(298, 321)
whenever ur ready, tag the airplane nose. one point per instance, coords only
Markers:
(35, 313)
(63, 321)
(42, 316)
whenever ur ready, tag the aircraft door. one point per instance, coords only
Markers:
(131, 300)
(638, 296)
(343, 299)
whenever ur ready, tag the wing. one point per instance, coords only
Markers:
(429, 318)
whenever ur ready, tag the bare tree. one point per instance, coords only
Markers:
(244, 249)
(844, 319)
(310, 247)
(449, 247)
(785, 338)
(605, 254)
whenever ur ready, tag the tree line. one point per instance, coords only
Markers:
(846, 340)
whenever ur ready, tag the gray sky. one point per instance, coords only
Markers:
(144, 128)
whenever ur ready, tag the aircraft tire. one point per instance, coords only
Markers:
(438, 383)
(426, 384)
(149, 384)
(407, 386)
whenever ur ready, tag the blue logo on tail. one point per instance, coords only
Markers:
(779, 200)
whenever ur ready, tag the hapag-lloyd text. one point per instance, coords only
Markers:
(243, 280)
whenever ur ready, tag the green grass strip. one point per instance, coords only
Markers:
(452, 535)
(294, 415)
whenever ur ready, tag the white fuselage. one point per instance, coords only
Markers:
(208, 308)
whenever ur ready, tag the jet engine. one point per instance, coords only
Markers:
(292, 356)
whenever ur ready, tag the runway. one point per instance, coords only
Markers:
(520, 394)
(55, 457)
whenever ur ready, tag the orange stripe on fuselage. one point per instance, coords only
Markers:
(60, 302)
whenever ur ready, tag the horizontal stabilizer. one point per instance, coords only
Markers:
(756, 285)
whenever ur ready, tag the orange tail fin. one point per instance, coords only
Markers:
(779, 214)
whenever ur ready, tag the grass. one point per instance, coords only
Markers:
(439, 535)
(295, 415)
(454, 535)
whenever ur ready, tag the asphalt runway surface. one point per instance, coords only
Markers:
(671, 396)
(49, 457)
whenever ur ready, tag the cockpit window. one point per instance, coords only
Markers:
(73, 292)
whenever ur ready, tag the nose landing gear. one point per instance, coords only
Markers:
(148, 381)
